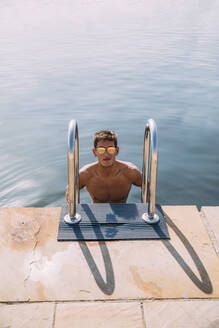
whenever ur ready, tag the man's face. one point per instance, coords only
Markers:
(106, 159)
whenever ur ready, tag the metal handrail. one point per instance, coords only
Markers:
(148, 190)
(73, 173)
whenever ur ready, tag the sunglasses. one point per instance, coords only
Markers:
(101, 150)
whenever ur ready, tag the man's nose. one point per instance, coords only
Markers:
(106, 151)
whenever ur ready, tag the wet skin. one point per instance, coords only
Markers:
(108, 180)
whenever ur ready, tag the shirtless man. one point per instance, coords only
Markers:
(108, 180)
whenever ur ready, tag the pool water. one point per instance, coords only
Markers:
(109, 65)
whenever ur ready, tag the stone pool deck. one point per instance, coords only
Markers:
(148, 284)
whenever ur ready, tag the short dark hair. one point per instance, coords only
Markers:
(105, 135)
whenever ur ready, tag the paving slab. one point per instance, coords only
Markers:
(182, 314)
(35, 267)
(22, 315)
(210, 217)
(99, 314)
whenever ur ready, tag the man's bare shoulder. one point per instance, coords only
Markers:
(86, 173)
(88, 168)
(131, 171)
(127, 165)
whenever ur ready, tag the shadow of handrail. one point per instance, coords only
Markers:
(204, 284)
(108, 286)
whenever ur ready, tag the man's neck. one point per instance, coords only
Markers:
(107, 171)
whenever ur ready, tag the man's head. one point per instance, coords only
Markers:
(105, 147)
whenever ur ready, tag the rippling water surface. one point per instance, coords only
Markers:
(108, 64)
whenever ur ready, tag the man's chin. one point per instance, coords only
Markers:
(107, 163)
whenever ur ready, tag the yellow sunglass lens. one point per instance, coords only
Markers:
(111, 150)
(101, 150)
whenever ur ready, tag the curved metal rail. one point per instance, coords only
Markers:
(148, 190)
(73, 173)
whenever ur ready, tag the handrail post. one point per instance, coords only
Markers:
(148, 190)
(73, 173)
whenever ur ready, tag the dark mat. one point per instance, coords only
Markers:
(112, 222)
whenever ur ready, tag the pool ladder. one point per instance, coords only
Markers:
(149, 167)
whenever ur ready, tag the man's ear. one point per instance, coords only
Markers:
(94, 152)
(117, 150)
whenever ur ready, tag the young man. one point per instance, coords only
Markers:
(108, 180)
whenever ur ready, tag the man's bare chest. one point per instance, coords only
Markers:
(109, 189)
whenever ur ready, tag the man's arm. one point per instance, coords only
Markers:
(135, 175)
(84, 175)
